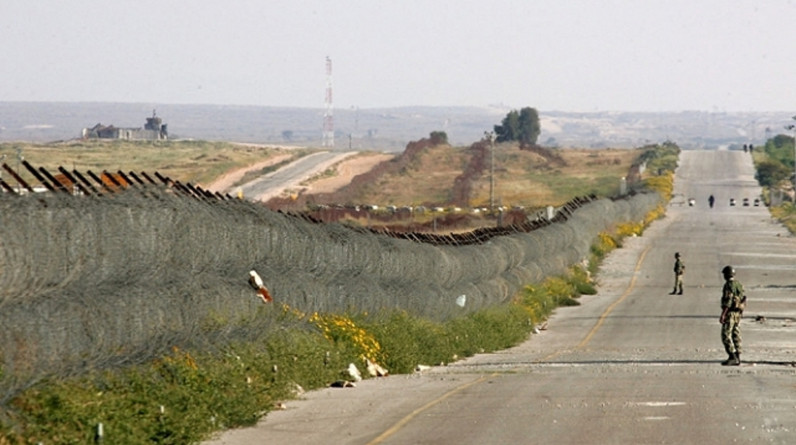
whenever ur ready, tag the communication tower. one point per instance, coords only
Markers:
(328, 118)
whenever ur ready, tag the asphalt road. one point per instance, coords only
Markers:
(630, 365)
(289, 176)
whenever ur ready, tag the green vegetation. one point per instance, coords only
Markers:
(774, 165)
(771, 173)
(522, 126)
(438, 137)
(660, 157)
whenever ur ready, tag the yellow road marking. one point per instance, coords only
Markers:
(615, 303)
(608, 310)
(400, 424)
(393, 429)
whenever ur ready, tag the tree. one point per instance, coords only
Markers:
(770, 173)
(438, 137)
(522, 126)
(529, 126)
(780, 149)
(509, 128)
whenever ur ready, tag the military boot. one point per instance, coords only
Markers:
(736, 359)
(729, 360)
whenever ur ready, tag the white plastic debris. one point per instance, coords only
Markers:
(354, 372)
(375, 370)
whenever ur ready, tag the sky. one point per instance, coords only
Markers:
(553, 55)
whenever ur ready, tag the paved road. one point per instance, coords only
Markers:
(631, 365)
(272, 184)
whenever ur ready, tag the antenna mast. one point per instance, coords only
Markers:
(328, 118)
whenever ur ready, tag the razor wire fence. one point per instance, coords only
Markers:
(90, 282)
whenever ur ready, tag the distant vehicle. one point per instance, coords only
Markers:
(757, 202)
(732, 201)
(746, 202)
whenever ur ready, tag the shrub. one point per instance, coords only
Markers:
(663, 184)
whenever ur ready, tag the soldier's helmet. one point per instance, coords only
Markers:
(677, 254)
(728, 272)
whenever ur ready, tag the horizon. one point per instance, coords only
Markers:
(496, 107)
(387, 129)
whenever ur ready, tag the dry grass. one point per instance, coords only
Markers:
(522, 178)
(526, 179)
(197, 162)
(429, 179)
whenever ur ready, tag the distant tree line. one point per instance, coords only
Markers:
(522, 126)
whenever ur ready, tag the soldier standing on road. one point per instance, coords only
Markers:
(679, 270)
(733, 302)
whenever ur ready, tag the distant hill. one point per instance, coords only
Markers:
(386, 129)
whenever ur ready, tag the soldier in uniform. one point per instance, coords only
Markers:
(679, 270)
(733, 302)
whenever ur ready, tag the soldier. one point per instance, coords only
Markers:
(679, 270)
(733, 302)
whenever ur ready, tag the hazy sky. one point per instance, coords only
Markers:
(562, 55)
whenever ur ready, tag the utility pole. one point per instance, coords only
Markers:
(490, 135)
(328, 115)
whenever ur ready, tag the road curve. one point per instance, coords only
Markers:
(630, 365)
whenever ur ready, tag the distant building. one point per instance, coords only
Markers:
(154, 130)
